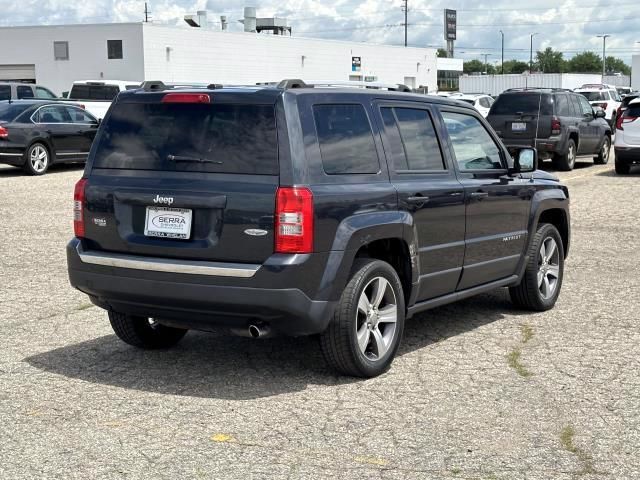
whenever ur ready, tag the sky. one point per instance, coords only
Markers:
(567, 25)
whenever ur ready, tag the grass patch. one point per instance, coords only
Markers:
(455, 471)
(514, 362)
(567, 435)
(527, 333)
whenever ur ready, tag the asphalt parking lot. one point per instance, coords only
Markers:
(479, 390)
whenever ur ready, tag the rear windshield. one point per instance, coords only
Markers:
(94, 92)
(632, 111)
(595, 96)
(526, 103)
(10, 111)
(190, 137)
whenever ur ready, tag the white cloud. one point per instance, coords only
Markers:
(558, 22)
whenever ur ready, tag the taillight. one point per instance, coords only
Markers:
(294, 220)
(78, 207)
(619, 123)
(603, 105)
(4, 133)
(624, 119)
(186, 98)
(555, 126)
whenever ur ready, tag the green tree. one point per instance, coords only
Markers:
(616, 65)
(476, 66)
(442, 53)
(550, 61)
(515, 66)
(585, 62)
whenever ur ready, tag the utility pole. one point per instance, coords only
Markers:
(405, 7)
(146, 13)
(604, 53)
(502, 54)
(531, 54)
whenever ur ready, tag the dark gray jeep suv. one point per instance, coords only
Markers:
(300, 209)
(559, 123)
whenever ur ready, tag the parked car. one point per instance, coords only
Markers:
(624, 91)
(97, 95)
(480, 102)
(34, 134)
(304, 210)
(560, 124)
(627, 143)
(17, 91)
(603, 96)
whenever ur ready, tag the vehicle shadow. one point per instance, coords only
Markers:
(8, 171)
(635, 172)
(227, 367)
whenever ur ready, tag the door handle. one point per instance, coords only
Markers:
(418, 200)
(479, 195)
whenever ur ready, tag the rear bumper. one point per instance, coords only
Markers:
(11, 155)
(630, 155)
(203, 301)
(546, 147)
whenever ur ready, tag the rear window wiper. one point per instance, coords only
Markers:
(180, 158)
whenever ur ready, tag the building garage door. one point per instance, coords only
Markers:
(18, 73)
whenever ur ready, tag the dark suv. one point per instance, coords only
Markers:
(308, 210)
(563, 124)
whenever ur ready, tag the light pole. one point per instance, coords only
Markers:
(502, 54)
(486, 66)
(531, 52)
(604, 37)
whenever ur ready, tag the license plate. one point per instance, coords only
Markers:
(518, 127)
(168, 222)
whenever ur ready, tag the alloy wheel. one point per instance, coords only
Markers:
(548, 268)
(39, 158)
(377, 317)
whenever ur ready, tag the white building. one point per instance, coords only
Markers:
(55, 56)
(635, 72)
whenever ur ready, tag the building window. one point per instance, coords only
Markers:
(114, 49)
(61, 50)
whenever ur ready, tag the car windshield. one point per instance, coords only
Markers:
(594, 96)
(10, 111)
(523, 103)
(219, 138)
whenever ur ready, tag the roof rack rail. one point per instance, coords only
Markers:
(297, 83)
(550, 89)
(214, 86)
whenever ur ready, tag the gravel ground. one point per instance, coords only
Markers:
(479, 390)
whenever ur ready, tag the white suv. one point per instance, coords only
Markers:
(603, 96)
(481, 102)
(627, 143)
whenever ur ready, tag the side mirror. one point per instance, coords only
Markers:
(525, 160)
(599, 112)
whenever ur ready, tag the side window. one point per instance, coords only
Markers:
(562, 106)
(5, 92)
(42, 92)
(585, 108)
(606, 95)
(24, 91)
(574, 103)
(418, 148)
(78, 115)
(53, 114)
(473, 146)
(484, 102)
(345, 138)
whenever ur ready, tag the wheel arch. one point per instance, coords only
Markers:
(47, 144)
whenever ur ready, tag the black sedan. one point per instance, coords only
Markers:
(37, 133)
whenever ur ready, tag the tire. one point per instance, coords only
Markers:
(603, 155)
(37, 159)
(142, 332)
(354, 343)
(622, 167)
(542, 279)
(567, 161)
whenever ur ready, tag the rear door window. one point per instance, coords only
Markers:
(220, 138)
(24, 91)
(53, 114)
(5, 92)
(345, 139)
(412, 138)
(523, 103)
(562, 106)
